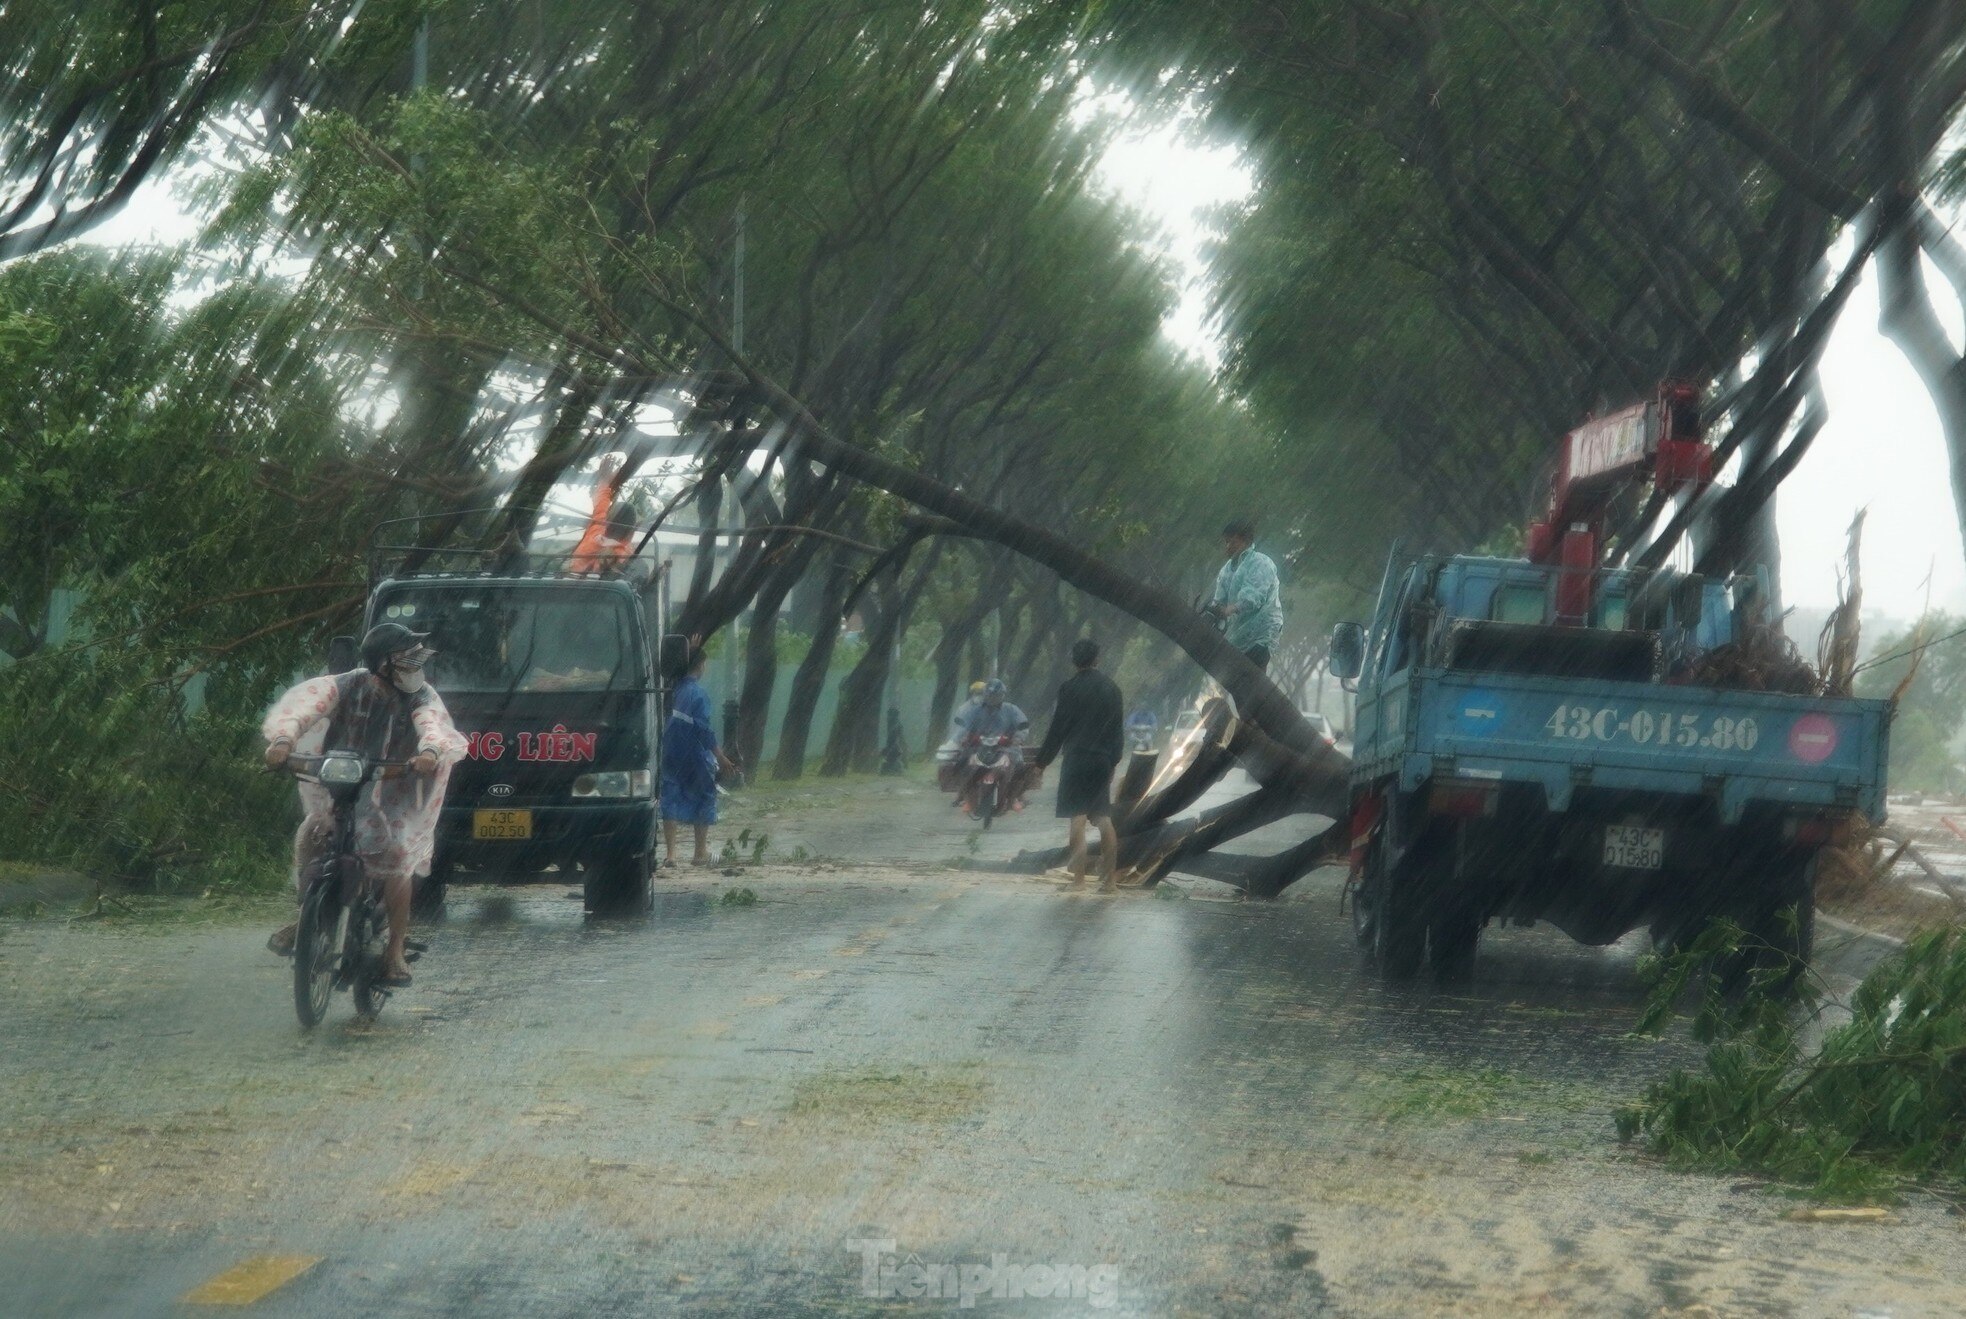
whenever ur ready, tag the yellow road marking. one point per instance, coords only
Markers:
(251, 1280)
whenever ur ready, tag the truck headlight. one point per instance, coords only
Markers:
(614, 783)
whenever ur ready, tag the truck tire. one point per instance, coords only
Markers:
(619, 885)
(1783, 922)
(1394, 930)
(1451, 944)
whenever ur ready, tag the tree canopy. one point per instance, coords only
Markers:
(456, 250)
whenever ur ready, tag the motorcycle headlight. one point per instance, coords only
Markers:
(614, 783)
(341, 770)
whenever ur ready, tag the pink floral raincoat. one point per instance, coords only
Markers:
(396, 818)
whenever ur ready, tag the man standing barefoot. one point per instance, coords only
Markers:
(1086, 726)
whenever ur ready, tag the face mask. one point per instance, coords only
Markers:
(406, 670)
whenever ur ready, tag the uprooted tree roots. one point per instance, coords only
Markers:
(1153, 842)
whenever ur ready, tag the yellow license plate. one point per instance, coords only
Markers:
(501, 824)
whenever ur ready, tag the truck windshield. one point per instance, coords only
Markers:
(525, 639)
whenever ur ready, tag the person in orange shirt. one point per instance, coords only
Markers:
(609, 540)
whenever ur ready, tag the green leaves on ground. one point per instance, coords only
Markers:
(1881, 1102)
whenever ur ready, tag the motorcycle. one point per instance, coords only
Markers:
(991, 787)
(344, 928)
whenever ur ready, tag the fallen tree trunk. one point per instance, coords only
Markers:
(1156, 848)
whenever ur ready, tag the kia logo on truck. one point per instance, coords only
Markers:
(499, 790)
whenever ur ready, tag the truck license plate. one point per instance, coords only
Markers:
(1634, 848)
(501, 825)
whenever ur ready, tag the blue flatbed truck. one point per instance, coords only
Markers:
(1516, 758)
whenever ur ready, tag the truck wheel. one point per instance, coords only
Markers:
(1363, 913)
(1451, 944)
(1784, 923)
(1397, 931)
(619, 885)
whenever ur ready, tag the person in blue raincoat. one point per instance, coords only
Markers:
(691, 759)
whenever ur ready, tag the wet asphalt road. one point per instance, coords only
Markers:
(1177, 1106)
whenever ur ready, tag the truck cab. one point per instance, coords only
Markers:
(1530, 746)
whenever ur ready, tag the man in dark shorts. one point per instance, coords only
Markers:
(1086, 726)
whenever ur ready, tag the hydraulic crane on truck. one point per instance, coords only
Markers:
(1659, 440)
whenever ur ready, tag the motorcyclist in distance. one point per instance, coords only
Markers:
(385, 711)
(994, 717)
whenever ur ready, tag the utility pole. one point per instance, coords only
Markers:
(731, 703)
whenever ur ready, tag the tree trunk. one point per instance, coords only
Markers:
(979, 656)
(855, 740)
(1044, 630)
(1907, 317)
(809, 680)
(961, 640)
(1010, 623)
(948, 677)
(761, 664)
(709, 513)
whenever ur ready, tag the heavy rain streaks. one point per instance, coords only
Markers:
(1168, 658)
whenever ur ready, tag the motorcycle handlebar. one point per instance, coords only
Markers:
(382, 769)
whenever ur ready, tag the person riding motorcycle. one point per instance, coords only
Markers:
(995, 717)
(386, 711)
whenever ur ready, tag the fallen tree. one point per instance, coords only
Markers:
(1264, 732)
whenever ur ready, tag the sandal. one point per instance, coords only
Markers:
(281, 941)
(387, 981)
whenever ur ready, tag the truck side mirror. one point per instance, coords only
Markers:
(674, 659)
(1347, 651)
(343, 654)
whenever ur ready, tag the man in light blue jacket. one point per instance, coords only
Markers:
(1247, 594)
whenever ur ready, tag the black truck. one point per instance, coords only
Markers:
(552, 677)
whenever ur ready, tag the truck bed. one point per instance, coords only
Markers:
(1565, 733)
